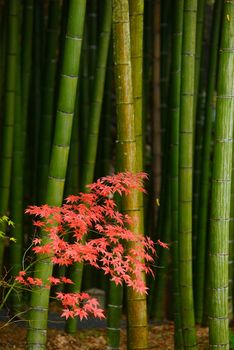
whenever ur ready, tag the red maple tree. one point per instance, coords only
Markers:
(68, 229)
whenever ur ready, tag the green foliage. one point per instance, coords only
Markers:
(231, 339)
(5, 221)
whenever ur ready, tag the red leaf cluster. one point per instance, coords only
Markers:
(70, 239)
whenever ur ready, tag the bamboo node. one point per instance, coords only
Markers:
(56, 178)
(221, 180)
(78, 38)
(115, 306)
(225, 96)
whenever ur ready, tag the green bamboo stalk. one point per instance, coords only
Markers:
(185, 173)
(72, 178)
(137, 314)
(134, 299)
(147, 64)
(57, 172)
(48, 92)
(2, 48)
(26, 76)
(92, 8)
(231, 248)
(115, 301)
(38, 47)
(13, 11)
(104, 162)
(164, 70)
(205, 168)
(147, 104)
(18, 173)
(136, 11)
(114, 311)
(72, 186)
(221, 187)
(174, 105)
(156, 117)
(75, 271)
(158, 299)
(84, 94)
(97, 98)
(198, 117)
(26, 57)
(88, 167)
(107, 111)
(16, 194)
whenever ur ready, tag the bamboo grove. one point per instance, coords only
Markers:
(92, 87)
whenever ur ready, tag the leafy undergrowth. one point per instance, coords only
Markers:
(160, 337)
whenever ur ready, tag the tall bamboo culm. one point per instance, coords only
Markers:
(200, 267)
(89, 160)
(156, 120)
(48, 92)
(174, 110)
(221, 187)
(13, 10)
(58, 165)
(16, 190)
(185, 173)
(126, 143)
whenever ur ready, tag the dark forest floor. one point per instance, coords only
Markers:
(160, 337)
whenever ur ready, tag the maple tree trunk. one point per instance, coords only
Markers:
(185, 173)
(174, 110)
(58, 164)
(200, 267)
(136, 303)
(221, 188)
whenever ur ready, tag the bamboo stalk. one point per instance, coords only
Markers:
(13, 9)
(174, 105)
(137, 315)
(156, 117)
(205, 169)
(48, 92)
(198, 118)
(185, 173)
(58, 164)
(16, 195)
(221, 187)
(97, 98)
